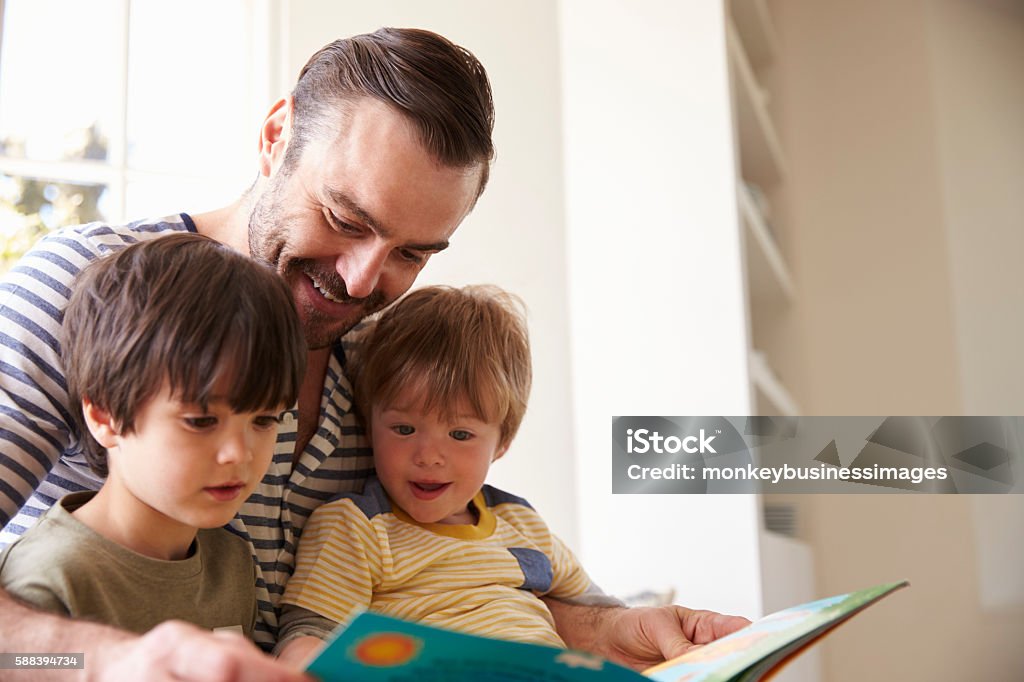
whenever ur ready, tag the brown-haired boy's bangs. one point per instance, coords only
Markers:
(247, 344)
(457, 349)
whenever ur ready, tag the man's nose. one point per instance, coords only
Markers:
(361, 269)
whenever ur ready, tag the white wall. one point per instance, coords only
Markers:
(516, 236)
(903, 125)
(976, 51)
(977, 77)
(655, 284)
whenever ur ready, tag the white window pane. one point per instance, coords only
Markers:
(163, 196)
(59, 78)
(190, 107)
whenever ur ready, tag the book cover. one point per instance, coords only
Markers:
(379, 648)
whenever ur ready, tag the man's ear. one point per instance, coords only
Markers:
(101, 424)
(274, 135)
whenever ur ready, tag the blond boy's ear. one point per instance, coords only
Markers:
(502, 449)
(101, 424)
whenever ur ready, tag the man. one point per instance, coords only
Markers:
(365, 171)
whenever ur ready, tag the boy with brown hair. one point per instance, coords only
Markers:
(180, 354)
(443, 381)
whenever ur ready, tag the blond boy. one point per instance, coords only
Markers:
(443, 382)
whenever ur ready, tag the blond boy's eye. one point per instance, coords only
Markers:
(403, 430)
(458, 434)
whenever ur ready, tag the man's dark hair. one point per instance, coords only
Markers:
(180, 311)
(440, 87)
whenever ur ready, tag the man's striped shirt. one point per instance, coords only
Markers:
(41, 459)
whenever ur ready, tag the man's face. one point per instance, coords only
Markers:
(354, 222)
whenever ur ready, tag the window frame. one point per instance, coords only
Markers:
(266, 47)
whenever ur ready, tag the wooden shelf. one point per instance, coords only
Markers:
(761, 158)
(767, 275)
(754, 25)
(768, 386)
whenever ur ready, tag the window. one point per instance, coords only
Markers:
(121, 109)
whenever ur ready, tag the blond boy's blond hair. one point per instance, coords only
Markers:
(450, 345)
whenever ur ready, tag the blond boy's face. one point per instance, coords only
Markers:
(430, 466)
(186, 468)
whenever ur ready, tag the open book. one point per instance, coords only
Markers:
(374, 647)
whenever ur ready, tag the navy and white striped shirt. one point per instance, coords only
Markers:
(41, 459)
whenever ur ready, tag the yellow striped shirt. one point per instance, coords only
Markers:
(360, 551)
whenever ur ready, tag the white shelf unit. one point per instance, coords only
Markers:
(769, 279)
(769, 391)
(761, 157)
(754, 25)
(787, 564)
(761, 162)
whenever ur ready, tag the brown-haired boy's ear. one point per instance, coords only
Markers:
(101, 424)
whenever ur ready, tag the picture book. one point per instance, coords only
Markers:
(378, 648)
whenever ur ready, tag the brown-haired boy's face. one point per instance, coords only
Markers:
(185, 467)
(352, 225)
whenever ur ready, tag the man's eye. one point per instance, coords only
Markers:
(411, 256)
(340, 225)
(403, 430)
(459, 434)
(201, 422)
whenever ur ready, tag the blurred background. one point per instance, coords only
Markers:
(710, 207)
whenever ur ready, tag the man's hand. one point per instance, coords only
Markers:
(642, 637)
(178, 651)
(639, 637)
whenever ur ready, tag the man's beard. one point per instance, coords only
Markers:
(268, 243)
(323, 330)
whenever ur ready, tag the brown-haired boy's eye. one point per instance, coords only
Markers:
(459, 434)
(201, 422)
(267, 421)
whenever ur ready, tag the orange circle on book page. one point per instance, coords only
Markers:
(386, 649)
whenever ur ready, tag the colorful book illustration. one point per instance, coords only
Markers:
(378, 648)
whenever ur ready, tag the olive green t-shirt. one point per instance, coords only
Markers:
(62, 565)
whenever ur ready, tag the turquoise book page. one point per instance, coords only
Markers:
(378, 648)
